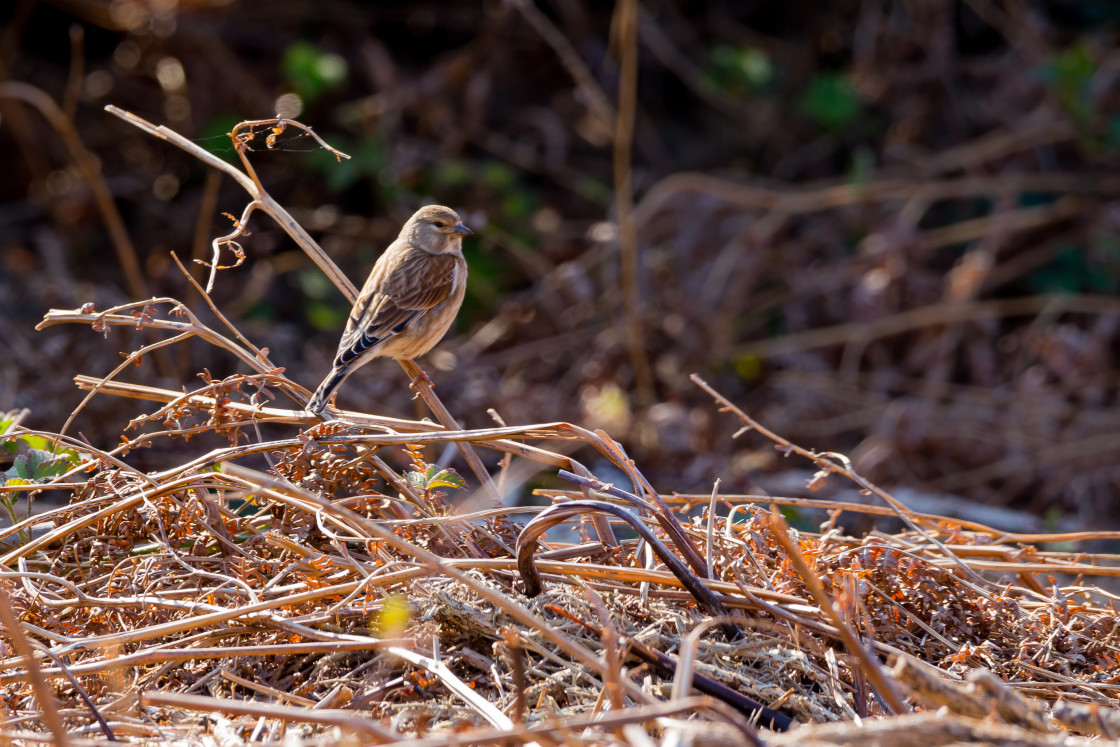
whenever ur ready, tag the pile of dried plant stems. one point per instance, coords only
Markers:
(321, 583)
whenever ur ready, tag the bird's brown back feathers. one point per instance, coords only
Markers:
(404, 284)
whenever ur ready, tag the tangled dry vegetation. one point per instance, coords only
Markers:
(315, 582)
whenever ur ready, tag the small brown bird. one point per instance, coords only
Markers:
(409, 300)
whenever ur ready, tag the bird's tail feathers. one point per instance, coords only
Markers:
(326, 389)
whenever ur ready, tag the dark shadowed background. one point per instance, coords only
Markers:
(885, 229)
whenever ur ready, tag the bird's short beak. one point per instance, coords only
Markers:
(461, 230)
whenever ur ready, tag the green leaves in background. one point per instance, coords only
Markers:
(863, 167)
(1070, 74)
(739, 70)
(517, 202)
(1072, 271)
(453, 173)
(831, 101)
(325, 309)
(214, 137)
(312, 72)
(748, 366)
(367, 161)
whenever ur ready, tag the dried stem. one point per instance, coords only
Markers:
(625, 27)
(868, 664)
(47, 703)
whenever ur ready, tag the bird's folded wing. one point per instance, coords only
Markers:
(388, 305)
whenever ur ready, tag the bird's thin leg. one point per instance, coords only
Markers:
(420, 376)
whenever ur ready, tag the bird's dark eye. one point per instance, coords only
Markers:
(439, 224)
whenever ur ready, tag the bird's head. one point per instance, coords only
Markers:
(436, 229)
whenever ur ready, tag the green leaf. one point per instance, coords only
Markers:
(452, 174)
(863, 165)
(29, 441)
(748, 367)
(326, 317)
(367, 160)
(739, 69)
(1071, 272)
(518, 204)
(39, 465)
(1070, 74)
(21, 467)
(498, 176)
(44, 464)
(831, 101)
(311, 71)
(447, 478)
(435, 477)
(595, 190)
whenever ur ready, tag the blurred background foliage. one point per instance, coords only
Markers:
(886, 229)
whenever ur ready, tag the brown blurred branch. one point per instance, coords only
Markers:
(597, 100)
(626, 31)
(91, 172)
(801, 200)
(926, 316)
